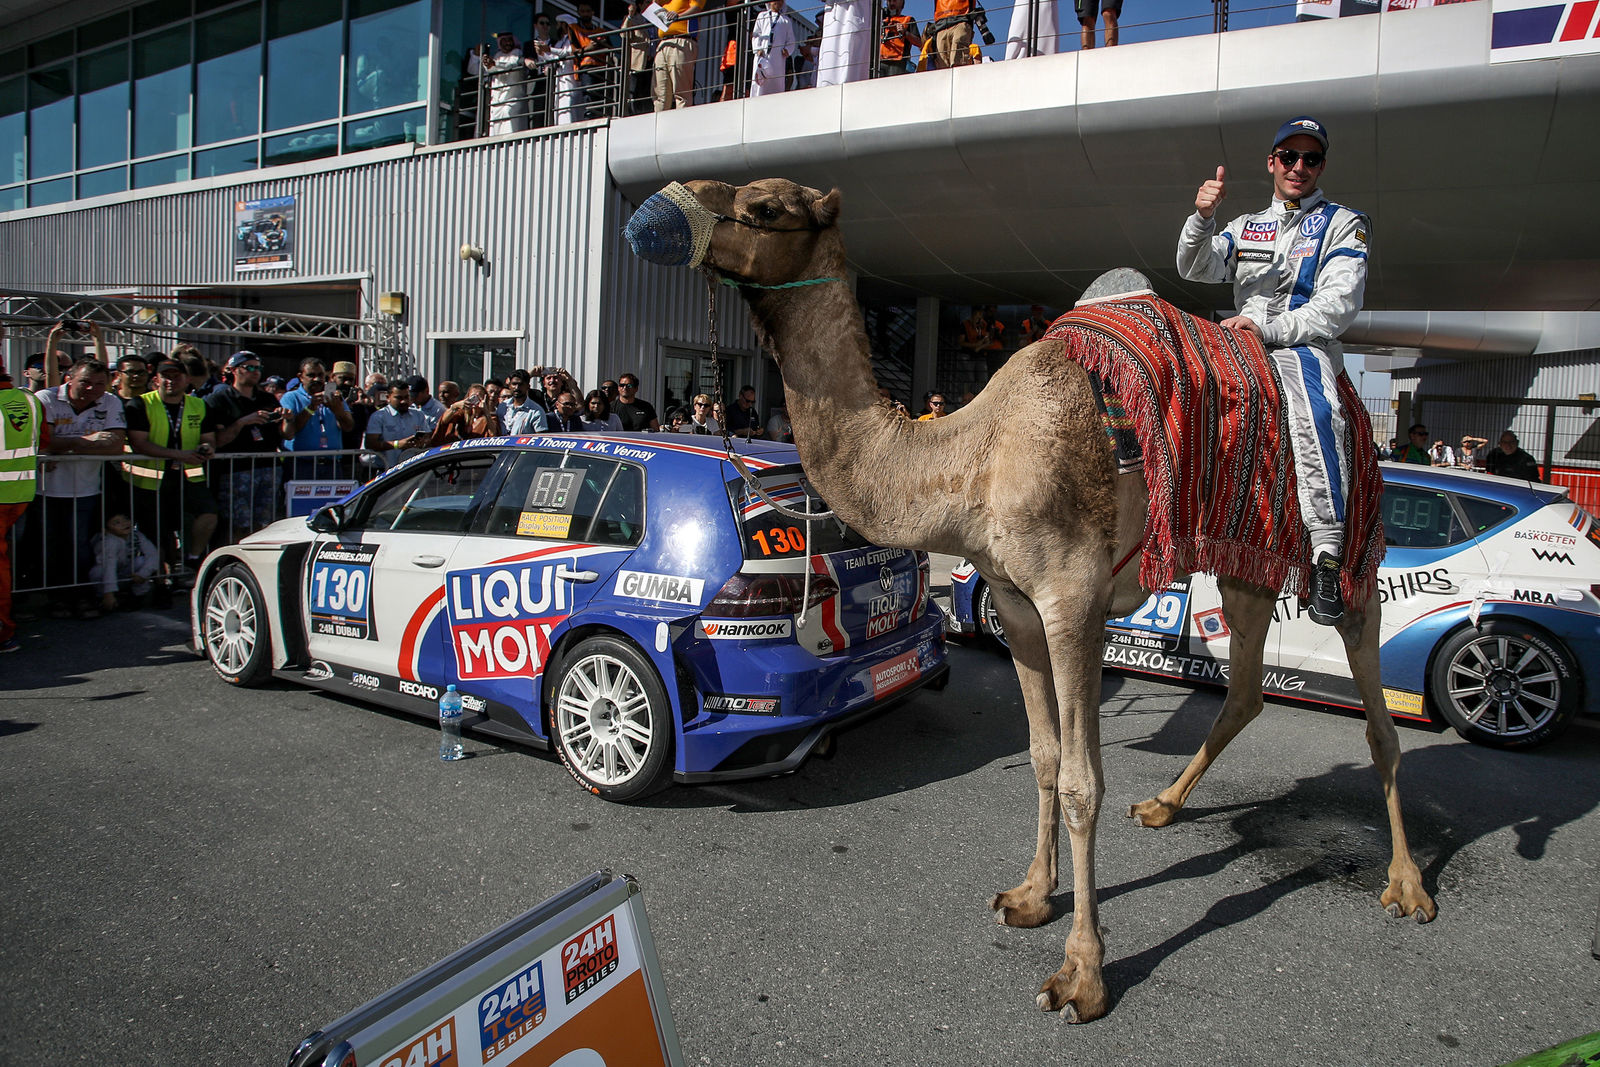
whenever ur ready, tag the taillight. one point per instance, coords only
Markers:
(755, 595)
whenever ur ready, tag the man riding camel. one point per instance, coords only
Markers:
(1299, 273)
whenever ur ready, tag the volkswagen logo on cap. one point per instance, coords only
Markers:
(886, 578)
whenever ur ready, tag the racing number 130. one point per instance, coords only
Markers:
(339, 589)
(779, 540)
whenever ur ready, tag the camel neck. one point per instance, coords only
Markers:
(858, 453)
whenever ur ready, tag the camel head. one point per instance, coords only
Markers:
(764, 233)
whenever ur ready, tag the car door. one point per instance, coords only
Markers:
(559, 527)
(1431, 552)
(368, 587)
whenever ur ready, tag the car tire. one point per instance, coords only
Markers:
(610, 719)
(1505, 684)
(988, 619)
(233, 627)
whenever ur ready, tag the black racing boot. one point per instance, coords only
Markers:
(1326, 604)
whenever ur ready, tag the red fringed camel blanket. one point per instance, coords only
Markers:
(1205, 406)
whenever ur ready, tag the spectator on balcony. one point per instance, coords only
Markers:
(171, 503)
(743, 419)
(398, 431)
(951, 39)
(1043, 27)
(597, 416)
(728, 69)
(1510, 461)
(772, 42)
(846, 54)
(422, 401)
(248, 422)
(638, 43)
(635, 412)
(508, 84)
(1034, 326)
(593, 59)
(520, 413)
(1110, 10)
(902, 41)
(558, 56)
(84, 420)
(803, 64)
(676, 52)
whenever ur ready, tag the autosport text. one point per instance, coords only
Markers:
(501, 618)
(435, 1048)
(745, 705)
(512, 1011)
(745, 629)
(670, 588)
(900, 671)
(589, 957)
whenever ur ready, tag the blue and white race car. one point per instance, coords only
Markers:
(623, 597)
(1491, 610)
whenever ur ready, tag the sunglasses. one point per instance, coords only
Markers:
(628, 385)
(936, 403)
(698, 404)
(249, 366)
(1288, 157)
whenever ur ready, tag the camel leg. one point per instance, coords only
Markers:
(1404, 894)
(1074, 626)
(1029, 903)
(1248, 609)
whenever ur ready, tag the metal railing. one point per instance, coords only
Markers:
(125, 524)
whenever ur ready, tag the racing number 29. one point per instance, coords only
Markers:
(779, 540)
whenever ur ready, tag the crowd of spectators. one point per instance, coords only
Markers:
(1507, 459)
(575, 67)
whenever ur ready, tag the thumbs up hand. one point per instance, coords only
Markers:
(1211, 193)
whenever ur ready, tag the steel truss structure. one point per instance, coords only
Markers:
(130, 321)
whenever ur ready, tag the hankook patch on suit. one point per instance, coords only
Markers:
(1254, 255)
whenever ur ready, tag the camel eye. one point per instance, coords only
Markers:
(766, 213)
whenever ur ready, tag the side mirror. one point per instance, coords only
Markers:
(327, 520)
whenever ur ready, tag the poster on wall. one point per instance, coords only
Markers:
(263, 234)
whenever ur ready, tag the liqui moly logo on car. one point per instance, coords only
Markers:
(501, 618)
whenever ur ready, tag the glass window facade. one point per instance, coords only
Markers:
(175, 89)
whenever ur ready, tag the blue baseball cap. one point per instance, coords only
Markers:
(1302, 124)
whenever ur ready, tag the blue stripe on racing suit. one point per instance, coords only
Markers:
(1322, 419)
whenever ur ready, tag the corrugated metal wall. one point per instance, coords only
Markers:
(648, 306)
(534, 204)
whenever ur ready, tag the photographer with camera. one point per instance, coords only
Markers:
(901, 40)
(1112, 11)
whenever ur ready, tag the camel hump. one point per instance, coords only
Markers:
(1118, 282)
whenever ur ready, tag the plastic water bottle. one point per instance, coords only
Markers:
(450, 724)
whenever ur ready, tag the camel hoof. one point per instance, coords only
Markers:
(1152, 812)
(1042, 1001)
(1394, 910)
(1019, 912)
(1407, 899)
(1422, 916)
(1078, 993)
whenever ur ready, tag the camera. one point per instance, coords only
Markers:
(980, 22)
(70, 325)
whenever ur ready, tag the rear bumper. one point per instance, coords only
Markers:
(811, 697)
(805, 741)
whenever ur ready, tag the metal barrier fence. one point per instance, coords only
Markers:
(1563, 435)
(104, 525)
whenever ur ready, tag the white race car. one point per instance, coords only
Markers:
(1491, 609)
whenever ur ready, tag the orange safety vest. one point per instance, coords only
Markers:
(951, 9)
(686, 8)
(730, 55)
(894, 48)
(585, 40)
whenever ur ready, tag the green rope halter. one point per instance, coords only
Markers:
(785, 285)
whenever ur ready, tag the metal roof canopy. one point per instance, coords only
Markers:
(127, 318)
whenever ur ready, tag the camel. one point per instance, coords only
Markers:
(1019, 482)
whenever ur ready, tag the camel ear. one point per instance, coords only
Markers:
(825, 210)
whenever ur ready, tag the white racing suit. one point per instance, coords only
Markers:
(1299, 271)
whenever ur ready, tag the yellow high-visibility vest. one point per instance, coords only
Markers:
(21, 416)
(145, 472)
